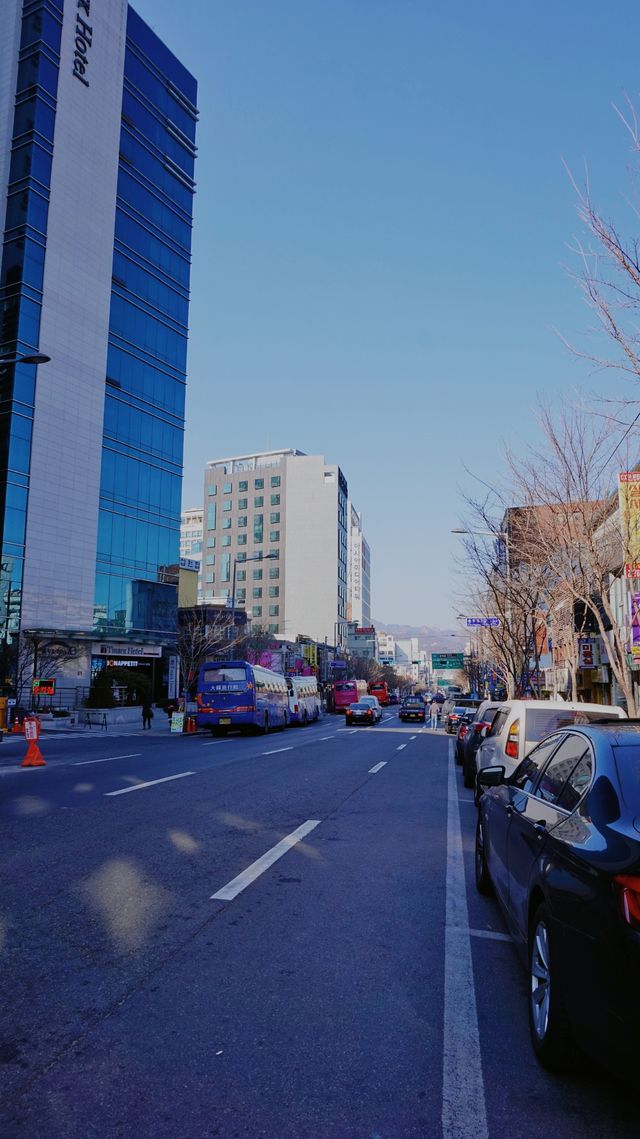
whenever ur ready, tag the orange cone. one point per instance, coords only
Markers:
(33, 758)
(17, 728)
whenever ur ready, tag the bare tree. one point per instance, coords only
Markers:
(202, 635)
(567, 485)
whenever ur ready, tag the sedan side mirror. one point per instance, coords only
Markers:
(491, 776)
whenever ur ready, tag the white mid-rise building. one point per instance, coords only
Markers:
(359, 577)
(288, 510)
(191, 539)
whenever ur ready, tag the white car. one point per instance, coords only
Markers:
(519, 725)
(374, 703)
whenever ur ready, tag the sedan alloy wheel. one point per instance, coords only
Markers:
(548, 1021)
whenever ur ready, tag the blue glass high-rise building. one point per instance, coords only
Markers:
(97, 150)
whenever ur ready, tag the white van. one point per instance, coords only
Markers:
(304, 699)
(520, 724)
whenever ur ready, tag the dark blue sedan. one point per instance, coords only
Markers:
(559, 843)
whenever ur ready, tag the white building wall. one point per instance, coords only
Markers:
(311, 549)
(59, 576)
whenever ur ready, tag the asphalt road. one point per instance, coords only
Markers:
(159, 977)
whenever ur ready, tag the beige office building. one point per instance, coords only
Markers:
(284, 514)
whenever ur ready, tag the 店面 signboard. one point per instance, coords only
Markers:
(629, 500)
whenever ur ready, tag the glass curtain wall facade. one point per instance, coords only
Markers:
(21, 281)
(139, 516)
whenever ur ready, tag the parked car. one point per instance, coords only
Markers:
(558, 841)
(464, 723)
(452, 718)
(519, 725)
(374, 703)
(475, 734)
(413, 708)
(360, 713)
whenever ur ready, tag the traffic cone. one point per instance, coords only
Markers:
(33, 758)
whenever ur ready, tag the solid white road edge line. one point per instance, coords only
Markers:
(378, 766)
(151, 783)
(236, 885)
(86, 762)
(463, 1105)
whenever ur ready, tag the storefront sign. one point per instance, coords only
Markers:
(44, 687)
(124, 649)
(173, 678)
(586, 653)
(177, 722)
(629, 499)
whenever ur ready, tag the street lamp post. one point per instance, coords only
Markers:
(28, 358)
(259, 557)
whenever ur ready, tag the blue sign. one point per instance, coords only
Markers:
(483, 622)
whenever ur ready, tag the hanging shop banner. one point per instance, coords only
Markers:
(629, 499)
(634, 647)
(586, 653)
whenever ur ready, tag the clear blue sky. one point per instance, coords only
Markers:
(381, 234)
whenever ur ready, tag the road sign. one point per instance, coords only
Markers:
(44, 687)
(483, 622)
(447, 660)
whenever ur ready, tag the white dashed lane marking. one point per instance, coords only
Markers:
(151, 783)
(109, 758)
(236, 885)
(378, 767)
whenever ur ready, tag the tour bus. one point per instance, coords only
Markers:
(236, 694)
(346, 692)
(304, 699)
(380, 689)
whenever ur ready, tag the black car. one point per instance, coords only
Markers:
(453, 718)
(480, 725)
(464, 723)
(360, 713)
(559, 842)
(413, 708)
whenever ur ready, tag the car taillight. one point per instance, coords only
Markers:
(511, 748)
(463, 731)
(627, 888)
(477, 727)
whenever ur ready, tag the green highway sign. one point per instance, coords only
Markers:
(447, 660)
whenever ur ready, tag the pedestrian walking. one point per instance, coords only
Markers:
(434, 713)
(147, 715)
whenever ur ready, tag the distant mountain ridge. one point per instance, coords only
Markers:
(430, 639)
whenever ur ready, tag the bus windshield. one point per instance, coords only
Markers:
(222, 674)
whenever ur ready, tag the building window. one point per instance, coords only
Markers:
(256, 611)
(257, 575)
(274, 535)
(211, 543)
(243, 485)
(226, 539)
(274, 610)
(212, 489)
(225, 564)
(258, 484)
(211, 516)
(275, 480)
(241, 557)
(242, 575)
(258, 531)
(258, 500)
(226, 488)
(243, 503)
(226, 523)
(275, 554)
(242, 520)
(274, 628)
(256, 591)
(274, 571)
(226, 504)
(275, 499)
(242, 539)
(274, 591)
(241, 594)
(210, 578)
(209, 595)
(211, 559)
(274, 518)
